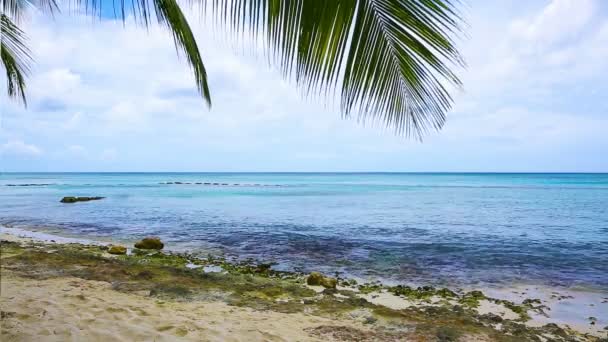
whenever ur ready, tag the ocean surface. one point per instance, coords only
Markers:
(414, 228)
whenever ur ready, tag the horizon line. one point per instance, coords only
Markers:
(330, 172)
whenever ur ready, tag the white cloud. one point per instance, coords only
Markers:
(563, 43)
(19, 148)
(559, 20)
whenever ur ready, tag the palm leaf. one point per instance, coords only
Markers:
(168, 13)
(15, 57)
(390, 59)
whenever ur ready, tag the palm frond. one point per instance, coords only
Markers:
(169, 14)
(15, 57)
(390, 59)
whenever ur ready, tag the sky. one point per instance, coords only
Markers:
(104, 96)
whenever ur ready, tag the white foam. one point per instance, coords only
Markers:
(45, 237)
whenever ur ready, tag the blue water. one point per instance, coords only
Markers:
(457, 229)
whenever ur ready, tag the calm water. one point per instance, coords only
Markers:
(462, 229)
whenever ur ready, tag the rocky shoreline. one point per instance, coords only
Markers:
(368, 311)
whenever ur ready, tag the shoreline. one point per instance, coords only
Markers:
(57, 235)
(507, 308)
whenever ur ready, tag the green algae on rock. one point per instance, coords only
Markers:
(317, 279)
(151, 242)
(118, 250)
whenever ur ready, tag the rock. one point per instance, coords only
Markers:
(329, 291)
(492, 318)
(117, 250)
(370, 320)
(314, 279)
(317, 279)
(264, 268)
(72, 199)
(151, 242)
(329, 283)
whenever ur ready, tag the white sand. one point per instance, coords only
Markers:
(486, 307)
(73, 309)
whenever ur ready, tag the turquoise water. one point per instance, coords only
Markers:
(463, 229)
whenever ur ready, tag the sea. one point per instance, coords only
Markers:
(441, 229)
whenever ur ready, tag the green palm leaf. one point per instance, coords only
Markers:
(169, 14)
(15, 57)
(390, 60)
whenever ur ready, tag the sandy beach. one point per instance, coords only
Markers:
(61, 301)
(72, 309)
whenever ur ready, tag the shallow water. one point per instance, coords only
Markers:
(457, 229)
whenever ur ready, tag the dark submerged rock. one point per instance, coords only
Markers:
(151, 242)
(73, 199)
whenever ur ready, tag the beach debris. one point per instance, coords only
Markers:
(151, 242)
(118, 250)
(73, 199)
(317, 279)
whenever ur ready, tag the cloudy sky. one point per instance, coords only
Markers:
(108, 97)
